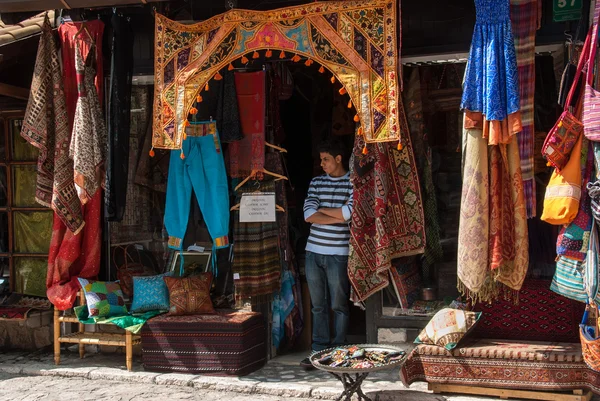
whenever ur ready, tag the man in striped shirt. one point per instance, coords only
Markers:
(328, 208)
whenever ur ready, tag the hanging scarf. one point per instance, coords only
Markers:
(256, 254)
(414, 115)
(119, 117)
(46, 127)
(249, 153)
(492, 236)
(88, 141)
(524, 15)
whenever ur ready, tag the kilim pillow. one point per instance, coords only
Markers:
(103, 298)
(448, 327)
(190, 295)
(150, 293)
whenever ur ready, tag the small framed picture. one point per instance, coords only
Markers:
(193, 263)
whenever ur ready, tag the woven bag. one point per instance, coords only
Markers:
(129, 269)
(566, 132)
(591, 97)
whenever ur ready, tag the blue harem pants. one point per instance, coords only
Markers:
(203, 170)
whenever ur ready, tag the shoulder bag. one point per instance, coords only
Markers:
(591, 97)
(564, 135)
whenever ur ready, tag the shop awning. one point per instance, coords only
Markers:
(13, 6)
(24, 29)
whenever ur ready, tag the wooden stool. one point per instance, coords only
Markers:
(83, 338)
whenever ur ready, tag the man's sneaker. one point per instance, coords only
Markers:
(305, 363)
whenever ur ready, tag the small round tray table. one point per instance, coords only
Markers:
(352, 385)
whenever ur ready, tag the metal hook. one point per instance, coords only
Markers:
(569, 37)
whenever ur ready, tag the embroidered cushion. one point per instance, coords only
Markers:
(103, 298)
(448, 327)
(190, 295)
(150, 293)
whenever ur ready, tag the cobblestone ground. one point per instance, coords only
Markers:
(29, 376)
(43, 388)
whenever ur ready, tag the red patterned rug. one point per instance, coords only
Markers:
(540, 315)
(387, 219)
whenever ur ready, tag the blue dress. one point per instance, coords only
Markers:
(491, 83)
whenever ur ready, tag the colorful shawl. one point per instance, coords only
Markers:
(256, 254)
(493, 246)
(355, 40)
(387, 219)
(524, 15)
(75, 254)
(88, 140)
(46, 127)
(248, 154)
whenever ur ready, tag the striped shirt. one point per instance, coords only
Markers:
(329, 192)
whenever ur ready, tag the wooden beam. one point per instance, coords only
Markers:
(13, 6)
(14, 91)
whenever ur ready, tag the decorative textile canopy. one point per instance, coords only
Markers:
(355, 40)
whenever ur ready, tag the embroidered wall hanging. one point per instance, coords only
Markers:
(355, 40)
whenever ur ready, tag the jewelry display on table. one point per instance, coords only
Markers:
(357, 360)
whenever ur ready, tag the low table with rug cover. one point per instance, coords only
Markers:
(509, 350)
(228, 342)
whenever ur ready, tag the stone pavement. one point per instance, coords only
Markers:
(100, 374)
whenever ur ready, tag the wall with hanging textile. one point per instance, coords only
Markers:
(355, 40)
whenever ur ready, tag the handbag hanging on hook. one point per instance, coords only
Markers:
(564, 135)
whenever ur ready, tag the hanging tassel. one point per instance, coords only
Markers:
(269, 54)
(206, 88)
(218, 76)
(255, 54)
(400, 146)
(296, 58)
(199, 99)
(230, 68)
(350, 103)
(151, 153)
(342, 91)
(186, 123)
(184, 136)
(322, 69)
(549, 164)
(245, 60)
(193, 111)
(356, 118)
(182, 156)
(360, 131)
(332, 80)
(282, 54)
(308, 62)
(365, 150)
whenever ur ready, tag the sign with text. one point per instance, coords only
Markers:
(257, 207)
(566, 10)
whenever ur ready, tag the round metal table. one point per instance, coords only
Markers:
(352, 385)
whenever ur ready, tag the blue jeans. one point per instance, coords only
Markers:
(202, 170)
(327, 277)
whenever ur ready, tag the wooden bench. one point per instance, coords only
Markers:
(83, 338)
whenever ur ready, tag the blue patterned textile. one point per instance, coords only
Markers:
(150, 293)
(491, 84)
